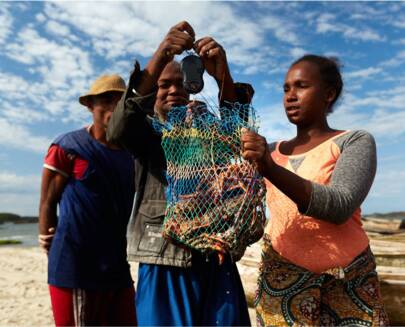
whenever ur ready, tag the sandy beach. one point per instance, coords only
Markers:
(24, 297)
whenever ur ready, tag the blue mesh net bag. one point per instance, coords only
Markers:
(215, 198)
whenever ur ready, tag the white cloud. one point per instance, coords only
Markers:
(323, 24)
(387, 191)
(11, 182)
(6, 23)
(399, 23)
(40, 17)
(60, 30)
(18, 112)
(388, 92)
(120, 67)
(396, 60)
(12, 86)
(400, 41)
(23, 6)
(283, 30)
(380, 113)
(274, 124)
(362, 34)
(253, 62)
(57, 64)
(57, 28)
(363, 73)
(210, 91)
(20, 137)
(389, 183)
(60, 73)
(358, 16)
(297, 52)
(270, 85)
(141, 26)
(25, 204)
(386, 123)
(389, 99)
(326, 24)
(66, 45)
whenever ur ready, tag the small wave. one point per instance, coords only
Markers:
(14, 237)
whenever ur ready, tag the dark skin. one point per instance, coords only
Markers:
(53, 183)
(306, 102)
(159, 72)
(170, 92)
(102, 106)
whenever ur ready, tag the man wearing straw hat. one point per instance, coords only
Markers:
(92, 182)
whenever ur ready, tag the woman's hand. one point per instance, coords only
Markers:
(254, 147)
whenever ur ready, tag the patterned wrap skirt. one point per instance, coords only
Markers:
(289, 295)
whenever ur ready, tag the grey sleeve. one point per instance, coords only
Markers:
(350, 182)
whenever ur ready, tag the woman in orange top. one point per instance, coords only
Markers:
(317, 267)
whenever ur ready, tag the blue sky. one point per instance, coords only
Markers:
(51, 51)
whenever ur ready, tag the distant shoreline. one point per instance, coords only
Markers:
(6, 217)
(17, 219)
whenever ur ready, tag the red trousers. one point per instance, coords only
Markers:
(79, 307)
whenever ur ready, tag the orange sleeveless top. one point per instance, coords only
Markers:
(311, 243)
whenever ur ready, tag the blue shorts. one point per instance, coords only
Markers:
(206, 294)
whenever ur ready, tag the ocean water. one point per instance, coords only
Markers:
(26, 233)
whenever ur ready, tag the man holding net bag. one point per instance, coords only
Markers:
(178, 285)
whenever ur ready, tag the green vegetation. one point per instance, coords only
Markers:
(6, 217)
(9, 242)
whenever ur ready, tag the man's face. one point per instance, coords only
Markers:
(170, 92)
(102, 107)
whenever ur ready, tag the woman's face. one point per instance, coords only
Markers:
(306, 99)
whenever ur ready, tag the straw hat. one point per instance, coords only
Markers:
(104, 83)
